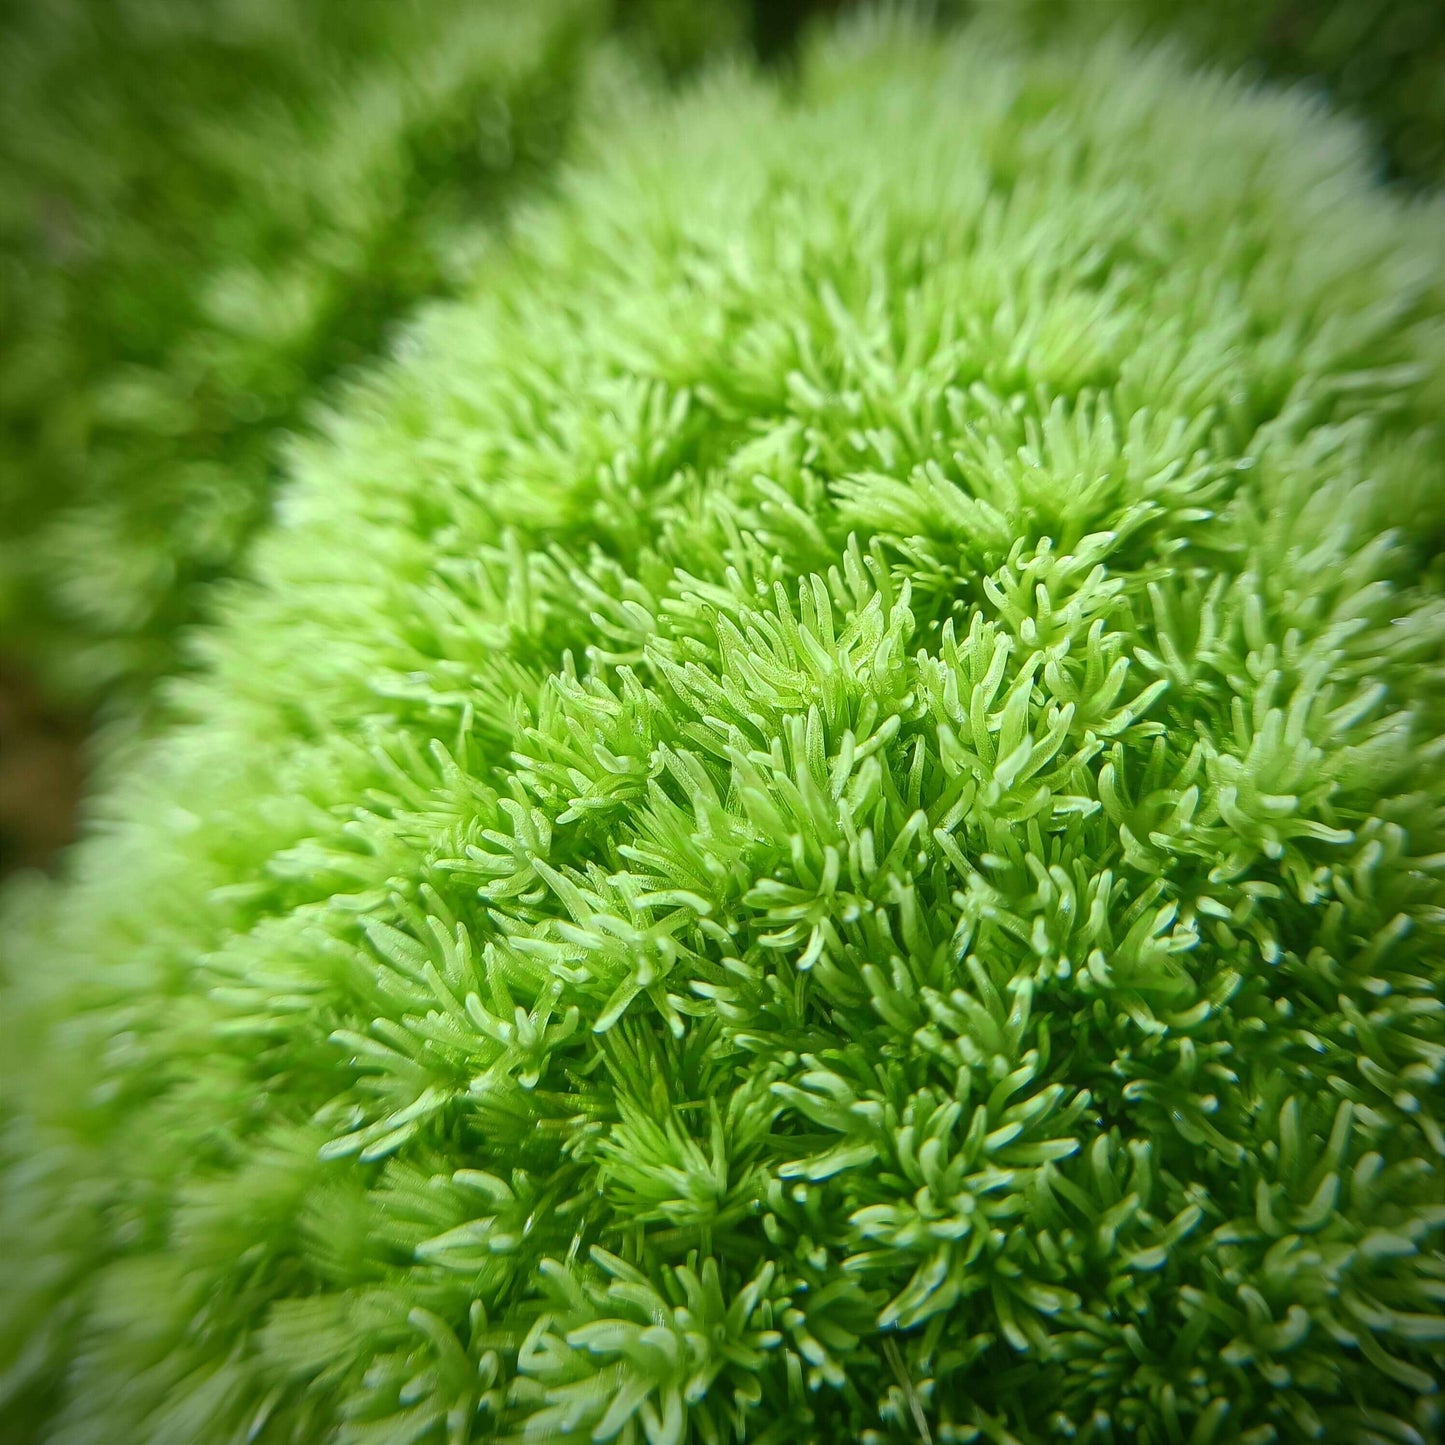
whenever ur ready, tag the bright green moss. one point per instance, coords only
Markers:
(823, 822)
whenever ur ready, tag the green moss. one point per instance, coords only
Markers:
(1382, 59)
(823, 821)
(207, 212)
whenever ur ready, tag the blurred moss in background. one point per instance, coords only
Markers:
(1382, 60)
(211, 208)
(208, 210)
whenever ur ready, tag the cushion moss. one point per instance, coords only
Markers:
(822, 822)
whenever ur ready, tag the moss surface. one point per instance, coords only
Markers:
(823, 822)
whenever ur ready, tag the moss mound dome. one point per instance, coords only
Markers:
(822, 822)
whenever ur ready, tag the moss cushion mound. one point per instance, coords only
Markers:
(822, 821)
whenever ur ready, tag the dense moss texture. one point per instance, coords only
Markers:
(207, 210)
(823, 822)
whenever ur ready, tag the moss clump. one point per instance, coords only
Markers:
(823, 822)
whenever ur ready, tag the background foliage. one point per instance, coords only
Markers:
(207, 212)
